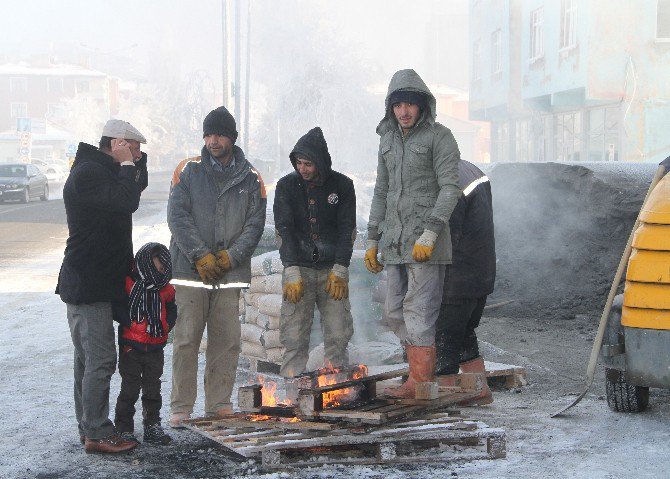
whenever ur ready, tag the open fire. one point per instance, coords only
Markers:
(326, 376)
(265, 417)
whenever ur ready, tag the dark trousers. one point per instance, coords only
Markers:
(455, 338)
(139, 371)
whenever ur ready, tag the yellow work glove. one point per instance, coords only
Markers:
(223, 260)
(337, 285)
(208, 269)
(371, 262)
(294, 286)
(423, 248)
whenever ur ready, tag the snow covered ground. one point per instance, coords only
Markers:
(40, 440)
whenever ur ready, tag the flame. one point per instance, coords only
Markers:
(290, 419)
(327, 376)
(258, 417)
(263, 417)
(268, 391)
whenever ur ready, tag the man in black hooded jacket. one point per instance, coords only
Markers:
(315, 221)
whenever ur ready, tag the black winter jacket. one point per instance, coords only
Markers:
(315, 221)
(473, 271)
(100, 197)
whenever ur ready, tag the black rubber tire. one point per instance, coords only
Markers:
(624, 397)
(45, 193)
(26, 196)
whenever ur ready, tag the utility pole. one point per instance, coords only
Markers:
(224, 60)
(236, 90)
(247, 81)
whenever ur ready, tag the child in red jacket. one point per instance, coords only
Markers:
(144, 323)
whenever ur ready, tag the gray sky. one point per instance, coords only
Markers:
(391, 32)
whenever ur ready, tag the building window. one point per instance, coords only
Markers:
(82, 86)
(523, 141)
(537, 34)
(663, 20)
(496, 52)
(56, 110)
(568, 136)
(476, 61)
(19, 110)
(55, 85)
(604, 134)
(18, 84)
(568, 24)
(501, 142)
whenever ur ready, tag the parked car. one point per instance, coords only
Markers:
(22, 182)
(54, 172)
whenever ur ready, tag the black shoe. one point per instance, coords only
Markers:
(128, 436)
(154, 434)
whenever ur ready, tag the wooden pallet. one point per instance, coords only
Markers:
(369, 408)
(435, 438)
(262, 365)
(505, 375)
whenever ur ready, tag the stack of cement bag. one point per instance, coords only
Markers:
(260, 307)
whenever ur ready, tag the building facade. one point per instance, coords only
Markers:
(572, 80)
(41, 106)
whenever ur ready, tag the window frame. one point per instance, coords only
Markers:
(536, 35)
(18, 84)
(476, 61)
(55, 85)
(496, 52)
(666, 14)
(18, 104)
(568, 38)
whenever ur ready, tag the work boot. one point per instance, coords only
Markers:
(154, 434)
(421, 370)
(112, 444)
(177, 419)
(477, 366)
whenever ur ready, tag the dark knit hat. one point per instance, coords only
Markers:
(407, 96)
(219, 122)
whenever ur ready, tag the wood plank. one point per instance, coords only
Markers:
(443, 431)
(356, 382)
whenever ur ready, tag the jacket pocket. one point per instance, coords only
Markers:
(420, 158)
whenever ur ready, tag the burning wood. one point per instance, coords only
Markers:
(337, 397)
(265, 417)
(327, 376)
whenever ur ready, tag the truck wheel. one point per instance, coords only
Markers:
(624, 397)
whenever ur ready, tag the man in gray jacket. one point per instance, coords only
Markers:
(216, 214)
(415, 192)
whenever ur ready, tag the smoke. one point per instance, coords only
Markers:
(560, 231)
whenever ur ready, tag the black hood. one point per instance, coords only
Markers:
(313, 146)
(86, 152)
